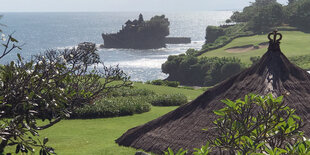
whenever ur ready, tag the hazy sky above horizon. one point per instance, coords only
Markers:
(121, 5)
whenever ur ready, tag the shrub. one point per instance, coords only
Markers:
(168, 100)
(256, 125)
(255, 59)
(157, 82)
(48, 87)
(164, 83)
(298, 13)
(123, 92)
(230, 69)
(112, 107)
(191, 51)
(205, 71)
(172, 83)
(301, 61)
(212, 33)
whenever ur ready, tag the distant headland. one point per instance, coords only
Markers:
(140, 34)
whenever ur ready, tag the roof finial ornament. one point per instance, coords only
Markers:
(274, 42)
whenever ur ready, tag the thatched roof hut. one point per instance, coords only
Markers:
(182, 128)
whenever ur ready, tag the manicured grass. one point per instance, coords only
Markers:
(191, 94)
(96, 136)
(294, 43)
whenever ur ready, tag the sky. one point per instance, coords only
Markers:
(121, 5)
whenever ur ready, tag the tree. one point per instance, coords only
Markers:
(261, 16)
(157, 26)
(298, 13)
(267, 18)
(49, 87)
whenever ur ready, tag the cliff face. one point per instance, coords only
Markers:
(140, 34)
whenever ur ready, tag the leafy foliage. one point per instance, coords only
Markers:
(168, 100)
(190, 70)
(158, 25)
(123, 92)
(298, 13)
(255, 125)
(48, 87)
(127, 101)
(255, 59)
(112, 107)
(180, 152)
(260, 16)
(266, 18)
(164, 83)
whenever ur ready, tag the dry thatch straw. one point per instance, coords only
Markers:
(182, 128)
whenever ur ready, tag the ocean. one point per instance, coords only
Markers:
(43, 31)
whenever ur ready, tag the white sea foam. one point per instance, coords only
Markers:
(66, 47)
(139, 63)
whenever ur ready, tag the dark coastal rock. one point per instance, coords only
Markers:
(86, 46)
(140, 34)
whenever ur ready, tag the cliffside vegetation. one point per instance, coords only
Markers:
(190, 70)
(260, 17)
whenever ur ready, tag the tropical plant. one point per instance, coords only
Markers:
(180, 152)
(48, 87)
(256, 124)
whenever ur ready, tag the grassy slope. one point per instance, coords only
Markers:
(97, 136)
(294, 43)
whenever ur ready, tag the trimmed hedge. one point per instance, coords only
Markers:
(168, 100)
(131, 92)
(164, 83)
(127, 101)
(112, 107)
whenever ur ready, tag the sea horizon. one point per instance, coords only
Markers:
(57, 30)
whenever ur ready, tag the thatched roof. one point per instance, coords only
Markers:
(182, 128)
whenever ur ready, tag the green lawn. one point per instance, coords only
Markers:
(294, 43)
(97, 136)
